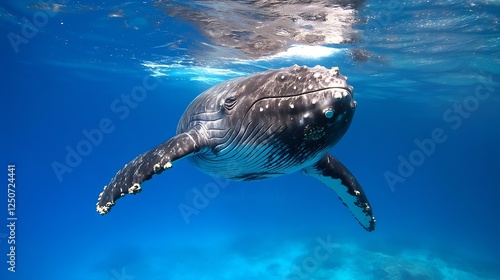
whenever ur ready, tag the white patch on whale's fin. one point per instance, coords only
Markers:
(336, 176)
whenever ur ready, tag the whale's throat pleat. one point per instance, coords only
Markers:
(257, 151)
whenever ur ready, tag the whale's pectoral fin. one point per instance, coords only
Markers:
(335, 175)
(143, 167)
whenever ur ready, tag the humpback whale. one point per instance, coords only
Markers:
(265, 125)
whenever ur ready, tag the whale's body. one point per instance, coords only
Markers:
(266, 125)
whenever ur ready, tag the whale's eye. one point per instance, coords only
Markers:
(328, 113)
(230, 102)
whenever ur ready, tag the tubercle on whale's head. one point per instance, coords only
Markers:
(302, 79)
(292, 81)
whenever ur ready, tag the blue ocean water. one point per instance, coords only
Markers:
(423, 143)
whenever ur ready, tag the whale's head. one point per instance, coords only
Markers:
(310, 105)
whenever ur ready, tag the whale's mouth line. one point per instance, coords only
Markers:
(350, 90)
(334, 94)
(327, 88)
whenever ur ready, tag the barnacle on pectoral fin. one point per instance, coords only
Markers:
(103, 209)
(136, 188)
(157, 168)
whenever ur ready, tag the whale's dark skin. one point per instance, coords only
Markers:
(257, 127)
